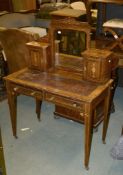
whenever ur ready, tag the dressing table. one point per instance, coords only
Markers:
(60, 82)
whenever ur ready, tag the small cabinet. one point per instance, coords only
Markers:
(40, 57)
(97, 65)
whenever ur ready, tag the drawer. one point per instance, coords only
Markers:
(66, 102)
(27, 91)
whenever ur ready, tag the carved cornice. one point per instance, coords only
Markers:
(69, 23)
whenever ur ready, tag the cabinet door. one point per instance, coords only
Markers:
(93, 69)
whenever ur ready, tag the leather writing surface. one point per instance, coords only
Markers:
(57, 83)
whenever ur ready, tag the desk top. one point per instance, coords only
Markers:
(61, 83)
(67, 12)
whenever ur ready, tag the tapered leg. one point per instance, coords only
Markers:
(38, 108)
(88, 133)
(12, 101)
(106, 113)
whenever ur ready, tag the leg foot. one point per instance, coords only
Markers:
(38, 109)
(39, 119)
(16, 137)
(87, 168)
(95, 129)
(56, 116)
(112, 110)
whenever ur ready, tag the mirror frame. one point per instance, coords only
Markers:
(67, 24)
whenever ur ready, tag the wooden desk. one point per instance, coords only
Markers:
(68, 91)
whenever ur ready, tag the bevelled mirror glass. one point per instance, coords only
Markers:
(70, 42)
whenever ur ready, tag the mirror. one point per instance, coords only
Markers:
(69, 38)
(70, 42)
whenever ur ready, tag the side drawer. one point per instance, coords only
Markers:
(27, 91)
(66, 102)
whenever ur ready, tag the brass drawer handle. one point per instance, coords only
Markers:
(16, 88)
(74, 105)
(33, 93)
(51, 98)
(81, 114)
(112, 87)
(85, 68)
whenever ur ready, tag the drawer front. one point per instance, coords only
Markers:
(77, 105)
(27, 91)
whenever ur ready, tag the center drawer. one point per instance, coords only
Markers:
(27, 91)
(65, 102)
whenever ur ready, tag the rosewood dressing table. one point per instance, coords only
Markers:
(60, 84)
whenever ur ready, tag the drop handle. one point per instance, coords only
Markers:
(33, 93)
(16, 88)
(85, 68)
(74, 104)
(112, 88)
(51, 98)
(81, 114)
